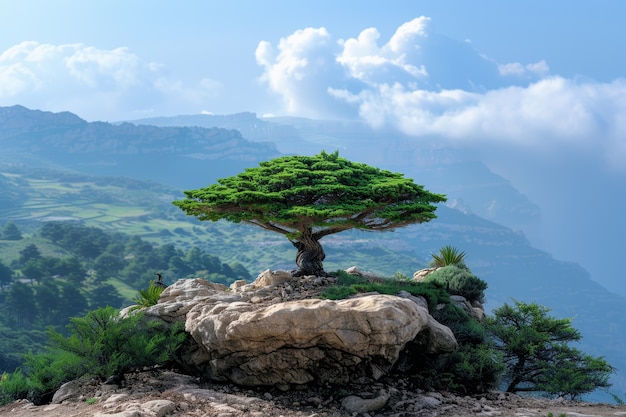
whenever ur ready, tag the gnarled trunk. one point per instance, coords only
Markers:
(310, 256)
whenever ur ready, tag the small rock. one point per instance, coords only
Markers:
(125, 413)
(314, 400)
(160, 408)
(354, 404)
(68, 390)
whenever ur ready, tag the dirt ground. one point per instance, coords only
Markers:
(160, 393)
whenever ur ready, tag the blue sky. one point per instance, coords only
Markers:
(123, 59)
(531, 73)
(542, 82)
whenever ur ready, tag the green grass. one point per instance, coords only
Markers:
(350, 284)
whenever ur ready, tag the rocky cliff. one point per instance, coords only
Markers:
(275, 332)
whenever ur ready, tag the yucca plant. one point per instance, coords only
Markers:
(448, 255)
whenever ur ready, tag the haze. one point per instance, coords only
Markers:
(535, 89)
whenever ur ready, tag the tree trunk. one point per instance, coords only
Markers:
(310, 256)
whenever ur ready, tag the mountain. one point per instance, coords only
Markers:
(485, 216)
(63, 140)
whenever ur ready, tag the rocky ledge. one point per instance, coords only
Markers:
(272, 348)
(274, 332)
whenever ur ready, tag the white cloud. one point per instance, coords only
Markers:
(299, 70)
(540, 68)
(92, 82)
(424, 84)
(368, 62)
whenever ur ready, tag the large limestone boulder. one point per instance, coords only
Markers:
(241, 338)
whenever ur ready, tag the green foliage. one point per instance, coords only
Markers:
(616, 398)
(465, 328)
(6, 275)
(292, 193)
(11, 232)
(12, 386)
(459, 281)
(110, 345)
(309, 197)
(448, 255)
(100, 344)
(338, 293)
(574, 373)
(149, 296)
(40, 377)
(537, 356)
(474, 367)
(348, 285)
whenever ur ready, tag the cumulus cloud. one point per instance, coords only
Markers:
(91, 81)
(422, 83)
(299, 70)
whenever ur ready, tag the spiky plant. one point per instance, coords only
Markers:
(448, 255)
(149, 296)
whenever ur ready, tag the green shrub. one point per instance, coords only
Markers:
(348, 285)
(459, 281)
(40, 376)
(149, 296)
(476, 366)
(465, 328)
(12, 386)
(112, 345)
(100, 344)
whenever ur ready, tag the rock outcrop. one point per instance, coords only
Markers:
(272, 332)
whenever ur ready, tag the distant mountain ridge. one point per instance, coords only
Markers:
(148, 152)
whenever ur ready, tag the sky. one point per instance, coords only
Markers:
(539, 86)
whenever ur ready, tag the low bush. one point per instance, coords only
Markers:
(348, 285)
(459, 281)
(474, 367)
(100, 344)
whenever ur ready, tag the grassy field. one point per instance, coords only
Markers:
(146, 210)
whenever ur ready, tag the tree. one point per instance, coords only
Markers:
(308, 197)
(35, 269)
(107, 265)
(21, 303)
(103, 295)
(6, 275)
(29, 252)
(11, 232)
(537, 355)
